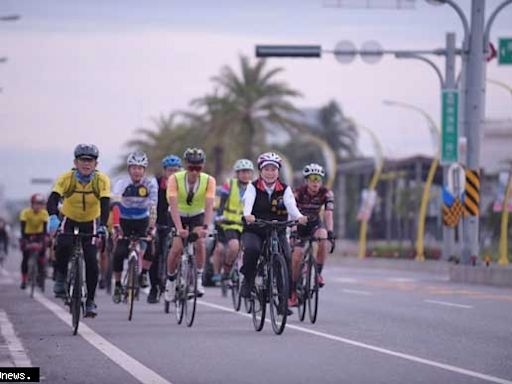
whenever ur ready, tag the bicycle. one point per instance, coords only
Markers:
(272, 279)
(35, 274)
(185, 297)
(130, 281)
(307, 284)
(76, 290)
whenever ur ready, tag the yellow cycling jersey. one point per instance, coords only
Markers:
(34, 221)
(82, 205)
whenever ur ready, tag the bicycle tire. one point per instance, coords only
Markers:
(278, 291)
(131, 286)
(180, 296)
(313, 290)
(32, 273)
(76, 293)
(235, 288)
(301, 291)
(259, 302)
(191, 297)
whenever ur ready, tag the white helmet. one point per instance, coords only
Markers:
(243, 164)
(269, 158)
(313, 169)
(137, 158)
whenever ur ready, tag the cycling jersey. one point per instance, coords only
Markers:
(33, 223)
(203, 189)
(233, 208)
(82, 205)
(135, 200)
(311, 205)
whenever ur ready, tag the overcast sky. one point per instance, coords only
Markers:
(95, 70)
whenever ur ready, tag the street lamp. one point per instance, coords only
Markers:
(435, 132)
(10, 18)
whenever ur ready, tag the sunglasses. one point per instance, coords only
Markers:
(195, 168)
(315, 178)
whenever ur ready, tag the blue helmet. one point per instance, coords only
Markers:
(171, 161)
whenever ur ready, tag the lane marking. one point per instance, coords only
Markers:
(448, 304)
(357, 292)
(118, 356)
(348, 280)
(401, 279)
(432, 363)
(18, 354)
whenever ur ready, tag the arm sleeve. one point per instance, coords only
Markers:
(104, 185)
(248, 199)
(105, 210)
(22, 228)
(52, 206)
(329, 201)
(291, 204)
(153, 192)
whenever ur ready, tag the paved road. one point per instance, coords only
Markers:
(374, 326)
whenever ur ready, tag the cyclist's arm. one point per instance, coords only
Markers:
(248, 199)
(172, 199)
(52, 206)
(104, 210)
(153, 197)
(329, 211)
(22, 229)
(291, 204)
(209, 201)
(224, 195)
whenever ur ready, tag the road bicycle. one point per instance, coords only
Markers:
(272, 279)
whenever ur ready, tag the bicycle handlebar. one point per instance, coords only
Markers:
(274, 223)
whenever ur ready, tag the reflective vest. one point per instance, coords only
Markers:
(234, 208)
(196, 206)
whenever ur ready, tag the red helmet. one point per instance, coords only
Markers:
(37, 198)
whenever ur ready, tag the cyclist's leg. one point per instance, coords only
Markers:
(252, 243)
(91, 261)
(24, 269)
(233, 241)
(321, 255)
(63, 250)
(154, 272)
(217, 255)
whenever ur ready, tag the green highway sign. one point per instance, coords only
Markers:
(505, 51)
(450, 126)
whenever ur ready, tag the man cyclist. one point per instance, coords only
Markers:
(231, 210)
(33, 222)
(86, 194)
(170, 165)
(267, 198)
(191, 195)
(311, 197)
(134, 214)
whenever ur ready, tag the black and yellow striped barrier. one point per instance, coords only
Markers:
(472, 198)
(452, 214)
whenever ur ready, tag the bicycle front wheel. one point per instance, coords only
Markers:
(180, 296)
(312, 289)
(278, 290)
(302, 295)
(76, 293)
(235, 287)
(191, 297)
(32, 273)
(131, 285)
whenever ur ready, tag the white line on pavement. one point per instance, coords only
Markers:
(448, 304)
(357, 292)
(348, 280)
(18, 354)
(448, 367)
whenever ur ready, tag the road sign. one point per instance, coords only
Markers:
(288, 51)
(450, 126)
(456, 180)
(505, 51)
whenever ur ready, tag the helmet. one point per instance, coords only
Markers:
(37, 198)
(313, 169)
(269, 158)
(171, 161)
(86, 150)
(243, 164)
(194, 156)
(137, 158)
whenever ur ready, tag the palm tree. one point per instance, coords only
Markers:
(254, 102)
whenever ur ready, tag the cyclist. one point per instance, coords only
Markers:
(191, 195)
(134, 214)
(86, 194)
(33, 222)
(170, 164)
(4, 236)
(311, 198)
(231, 210)
(267, 198)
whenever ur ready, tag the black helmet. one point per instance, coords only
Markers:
(86, 150)
(194, 156)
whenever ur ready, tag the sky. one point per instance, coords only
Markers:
(96, 70)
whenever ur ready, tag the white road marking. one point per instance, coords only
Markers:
(18, 354)
(401, 279)
(125, 361)
(448, 304)
(347, 280)
(447, 367)
(357, 292)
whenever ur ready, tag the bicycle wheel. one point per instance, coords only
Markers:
(32, 273)
(312, 288)
(235, 287)
(278, 291)
(131, 285)
(180, 297)
(258, 302)
(190, 308)
(301, 291)
(76, 293)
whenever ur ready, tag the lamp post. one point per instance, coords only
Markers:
(379, 162)
(435, 132)
(10, 18)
